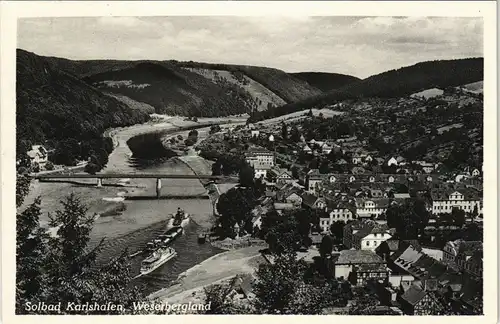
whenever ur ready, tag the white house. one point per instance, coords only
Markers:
(336, 212)
(38, 155)
(365, 235)
(476, 173)
(261, 160)
(307, 149)
(392, 161)
(366, 208)
(255, 133)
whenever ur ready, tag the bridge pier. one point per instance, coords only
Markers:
(158, 187)
(99, 182)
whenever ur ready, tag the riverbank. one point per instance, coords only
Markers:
(189, 285)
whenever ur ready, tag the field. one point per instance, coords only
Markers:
(301, 114)
(429, 93)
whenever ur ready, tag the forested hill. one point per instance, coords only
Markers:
(56, 109)
(325, 81)
(171, 89)
(199, 92)
(392, 84)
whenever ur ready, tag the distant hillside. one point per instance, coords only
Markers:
(175, 91)
(263, 97)
(266, 86)
(284, 85)
(325, 81)
(392, 84)
(54, 106)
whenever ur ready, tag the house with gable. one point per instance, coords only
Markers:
(365, 235)
(337, 211)
(420, 298)
(357, 266)
(38, 155)
(312, 201)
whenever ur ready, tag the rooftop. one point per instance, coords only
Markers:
(357, 257)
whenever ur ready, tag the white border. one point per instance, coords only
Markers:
(10, 11)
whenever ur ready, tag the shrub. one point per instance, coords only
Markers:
(49, 166)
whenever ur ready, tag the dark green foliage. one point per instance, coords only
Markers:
(235, 206)
(326, 81)
(326, 246)
(22, 188)
(60, 268)
(246, 176)
(337, 230)
(282, 288)
(408, 219)
(458, 216)
(49, 166)
(214, 129)
(173, 90)
(290, 231)
(56, 108)
(286, 86)
(391, 84)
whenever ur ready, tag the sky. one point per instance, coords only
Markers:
(358, 46)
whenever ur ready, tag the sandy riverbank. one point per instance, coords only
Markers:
(221, 267)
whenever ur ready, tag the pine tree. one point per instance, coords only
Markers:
(61, 268)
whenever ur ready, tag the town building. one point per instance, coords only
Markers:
(336, 211)
(365, 235)
(420, 299)
(371, 207)
(261, 160)
(38, 155)
(466, 199)
(357, 266)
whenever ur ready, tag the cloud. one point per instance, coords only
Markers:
(360, 46)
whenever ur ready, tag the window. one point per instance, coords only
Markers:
(367, 243)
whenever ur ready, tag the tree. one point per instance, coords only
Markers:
(22, 188)
(324, 167)
(247, 175)
(337, 230)
(93, 166)
(409, 219)
(326, 246)
(458, 216)
(49, 166)
(235, 206)
(284, 131)
(310, 113)
(214, 129)
(30, 254)
(217, 168)
(281, 288)
(61, 268)
(294, 134)
(218, 296)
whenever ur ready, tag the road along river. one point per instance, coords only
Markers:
(130, 224)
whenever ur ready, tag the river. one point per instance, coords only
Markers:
(141, 220)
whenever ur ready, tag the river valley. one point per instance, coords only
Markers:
(130, 224)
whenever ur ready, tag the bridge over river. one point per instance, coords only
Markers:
(158, 176)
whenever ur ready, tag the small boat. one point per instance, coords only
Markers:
(156, 260)
(181, 218)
